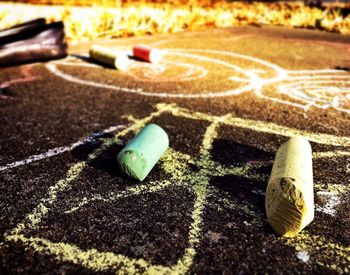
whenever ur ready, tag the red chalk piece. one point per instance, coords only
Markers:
(147, 53)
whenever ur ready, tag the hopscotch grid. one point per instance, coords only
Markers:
(108, 143)
(155, 186)
(199, 183)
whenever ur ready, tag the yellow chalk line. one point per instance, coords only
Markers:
(280, 130)
(92, 258)
(227, 202)
(150, 187)
(333, 187)
(134, 127)
(223, 200)
(176, 164)
(173, 163)
(209, 137)
(182, 266)
(330, 154)
(42, 209)
(275, 129)
(243, 171)
(34, 218)
(130, 118)
(200, 181)
(200, 185)
(266, 127)
(324, 252)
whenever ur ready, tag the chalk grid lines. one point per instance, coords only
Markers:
(176, 165)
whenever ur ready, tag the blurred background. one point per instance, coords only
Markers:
(86, 20)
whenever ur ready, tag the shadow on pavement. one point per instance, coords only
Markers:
(105, 161)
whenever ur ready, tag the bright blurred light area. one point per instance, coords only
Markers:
(87, 20)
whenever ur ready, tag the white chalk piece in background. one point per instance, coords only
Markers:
(114, 58)
(289, 197)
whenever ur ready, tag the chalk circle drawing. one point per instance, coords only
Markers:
(178, 166)
(304, 89)
(166, 71)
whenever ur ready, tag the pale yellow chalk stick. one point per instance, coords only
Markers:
(289, 200)
(113, 58)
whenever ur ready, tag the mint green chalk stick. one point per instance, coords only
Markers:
(141, 153)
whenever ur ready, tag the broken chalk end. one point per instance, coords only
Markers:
(289, 197)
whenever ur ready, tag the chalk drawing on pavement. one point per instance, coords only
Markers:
(304, 89)
(177, 166)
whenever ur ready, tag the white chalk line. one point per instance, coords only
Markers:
(165, 41)
(303, 256)
(153, 72)
(308, 102)
(87, 65)
(316, 83)
(60, 150)
(332, 201)
(322, 71)
(281, 73)
(251, 81)
(153, 69)
(278, 69)
(322, 97)
(313, 78)
(53, 68)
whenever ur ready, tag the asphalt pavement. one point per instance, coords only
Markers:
(227, 98)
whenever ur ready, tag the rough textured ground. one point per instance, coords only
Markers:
(227, 99)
